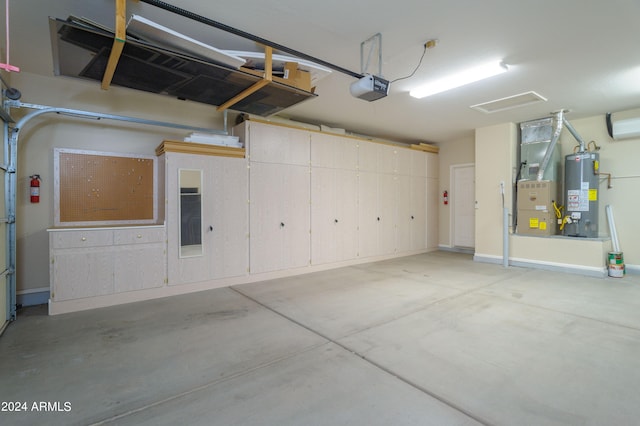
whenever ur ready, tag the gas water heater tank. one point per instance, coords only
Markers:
(581, 190)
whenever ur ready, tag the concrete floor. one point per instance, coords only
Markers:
(429, 339)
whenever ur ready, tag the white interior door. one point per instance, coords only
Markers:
(462, 199)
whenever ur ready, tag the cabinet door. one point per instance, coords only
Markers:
(411, 222)
(184, 267)
(433, 165)
(432, 206)
(406, 214)
(404, 161)
(139, 267)
(79, 273)
(346, 153)
(346, 213)
(419, 213)
(367, 156)
(323, 148)
(334, 151)
(296, 207)
(279, 217)
(230, 217)
(265, 217)
(387, 208)
(278, 144)
(368, 216)
(323, 216)
(387, 158)
(334, 215)
(419, 163)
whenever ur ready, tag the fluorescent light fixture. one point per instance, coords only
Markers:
(460, 79)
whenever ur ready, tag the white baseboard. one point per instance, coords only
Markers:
(548, 266)
(466, 250)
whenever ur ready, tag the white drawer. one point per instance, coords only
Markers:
(138, 235)
(81, 238)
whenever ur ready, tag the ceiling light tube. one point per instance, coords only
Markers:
(471, 75)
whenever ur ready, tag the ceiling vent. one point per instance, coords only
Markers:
(509, 102)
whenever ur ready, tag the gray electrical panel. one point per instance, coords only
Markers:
(581, 191)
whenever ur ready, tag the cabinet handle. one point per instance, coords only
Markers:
(378, 219)
(83, 239)
(210, 228)
(281, 224)
(412, 217)
(335, 220)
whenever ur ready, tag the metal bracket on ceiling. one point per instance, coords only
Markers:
(372, 45)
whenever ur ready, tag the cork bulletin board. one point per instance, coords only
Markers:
(98, 188)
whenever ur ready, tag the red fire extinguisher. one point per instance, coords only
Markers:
(445, 197)
(35, 188)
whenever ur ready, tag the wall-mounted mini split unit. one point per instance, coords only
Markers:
(624, 124)
(370, 88)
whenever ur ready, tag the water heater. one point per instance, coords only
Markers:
(581, 190)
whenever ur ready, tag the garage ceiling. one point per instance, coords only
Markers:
(581, 55)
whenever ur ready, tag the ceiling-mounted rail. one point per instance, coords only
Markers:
(248, 36)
